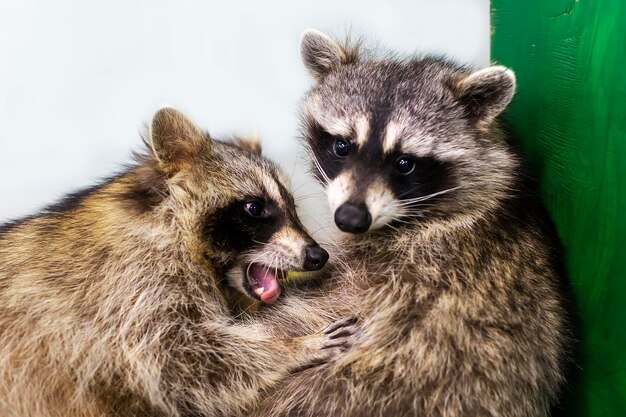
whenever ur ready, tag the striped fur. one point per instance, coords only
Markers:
(116, 301)
(460, 289)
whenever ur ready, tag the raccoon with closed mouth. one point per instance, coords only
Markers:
(116, 300)
(449, 257)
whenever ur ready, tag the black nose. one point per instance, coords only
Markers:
(315, 258)
(353, 218)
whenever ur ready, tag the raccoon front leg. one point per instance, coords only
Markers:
(322, 347)
(221, 370)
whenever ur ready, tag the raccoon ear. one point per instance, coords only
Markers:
(487, 92)
(175, 140)
(320, 53)
(250, 144)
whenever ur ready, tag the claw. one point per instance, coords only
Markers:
(343, 323)
(330, 343)
(344, 332)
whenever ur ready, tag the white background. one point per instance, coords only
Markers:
(78, 79)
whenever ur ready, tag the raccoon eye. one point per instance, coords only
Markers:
(254, 208)
(341, 148)
(405, 165)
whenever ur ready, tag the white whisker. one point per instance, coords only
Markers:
(312, 156)
(427, 197)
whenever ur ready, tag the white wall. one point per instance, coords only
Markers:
(78, 79)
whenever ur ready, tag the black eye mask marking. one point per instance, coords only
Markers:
(404, 165)
(322, 144)
(233, 229)
(341, 147)
(426, 176)
(255, 208)
(409, 177)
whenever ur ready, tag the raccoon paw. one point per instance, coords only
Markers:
(339, 334)
(327, 345)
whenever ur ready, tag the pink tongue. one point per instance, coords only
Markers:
(266, 279)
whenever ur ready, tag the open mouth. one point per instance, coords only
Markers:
(263, 282)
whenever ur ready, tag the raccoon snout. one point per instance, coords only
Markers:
(315, 257)
(353, 218)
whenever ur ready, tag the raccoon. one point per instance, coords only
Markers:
(116, 301)
(448, 255)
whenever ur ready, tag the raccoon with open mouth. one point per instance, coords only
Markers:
(449, 257)
(115, 302)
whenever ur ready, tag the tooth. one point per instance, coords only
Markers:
(259, 291)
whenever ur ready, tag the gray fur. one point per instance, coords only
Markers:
(460, 294)
(115, 303)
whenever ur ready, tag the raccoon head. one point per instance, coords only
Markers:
(397, 141)
(231, 206)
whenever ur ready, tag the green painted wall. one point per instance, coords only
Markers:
(570, 115)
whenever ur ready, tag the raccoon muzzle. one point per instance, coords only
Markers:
(263, 282)
(315, 257)
(353, 218)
